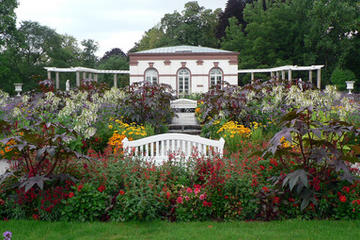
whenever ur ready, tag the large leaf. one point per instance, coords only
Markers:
(32, 181)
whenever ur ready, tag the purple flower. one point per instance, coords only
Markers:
(7, 235)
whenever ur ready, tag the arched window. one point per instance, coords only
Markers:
(184, 81)
(151, 75)
(215, 77)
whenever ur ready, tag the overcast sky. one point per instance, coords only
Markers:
(112, 23)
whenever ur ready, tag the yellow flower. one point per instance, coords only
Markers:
(110, 126)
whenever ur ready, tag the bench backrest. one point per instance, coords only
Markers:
(183, 103)
(158, 147)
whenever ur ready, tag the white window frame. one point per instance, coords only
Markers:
(216, 77)
(152, 76)
(183, 76)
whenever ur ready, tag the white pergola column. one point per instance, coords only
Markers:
(57, 80)
(283, 75)
(319, 78)
(310, 76)
(84, 75)
(49, 75)
(252, 77)
(289, 75)
(277, 75)
(115, 80)
(78, 79)
(272, 74)
(95, 77)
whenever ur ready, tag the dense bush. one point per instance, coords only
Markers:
(339, 77)
(148, 103)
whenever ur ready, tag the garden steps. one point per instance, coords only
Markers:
(185, 122)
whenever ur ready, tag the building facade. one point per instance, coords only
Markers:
(187, 69)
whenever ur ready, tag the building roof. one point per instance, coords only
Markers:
(184, 49)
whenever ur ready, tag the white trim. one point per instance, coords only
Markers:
(283, 68)
(83, 69)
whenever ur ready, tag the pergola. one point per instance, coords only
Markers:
(93, 73)
(86, 73)
(288, 69)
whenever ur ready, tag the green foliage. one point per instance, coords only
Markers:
(85, 203)
(340, 76)
(195, 26)
(321, 152)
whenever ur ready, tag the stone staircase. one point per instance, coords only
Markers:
(184, 120)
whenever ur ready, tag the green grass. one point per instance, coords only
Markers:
(291, 229)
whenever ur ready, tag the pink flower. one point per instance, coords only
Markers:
(189, 190)
(202, 196)
(187, 198)
(180, 200)
(196, 191)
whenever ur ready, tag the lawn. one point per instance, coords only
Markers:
(290, 229)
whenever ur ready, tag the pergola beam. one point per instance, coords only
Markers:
(289, 69)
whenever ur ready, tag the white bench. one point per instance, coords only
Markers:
(158, 147)
(183, 103)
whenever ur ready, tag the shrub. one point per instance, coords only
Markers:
(87, 202)
(321, 151)
(340, 76)
(148, 103)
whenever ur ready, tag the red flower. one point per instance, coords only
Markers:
(80, 187)
(291, 200)
(342, 198)
(167, 195)
(265, 189)
(196, 191)
(346, 189)
(189, 190)
(180, 200)
(207, 204)
(121, 192)
(226, 197)
(273, 162)
(35, 217)
(197, 186)
(262, 167)
(101, 188)
(2, 202)
(71, 194)
(276, 200)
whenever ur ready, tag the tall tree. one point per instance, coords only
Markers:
(195, 25)
(88, 57)
(7, 21)
(113, 52)
(234, 8)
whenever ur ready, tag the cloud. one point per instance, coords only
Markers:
(112, 23)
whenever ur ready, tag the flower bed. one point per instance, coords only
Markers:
(290, 154)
